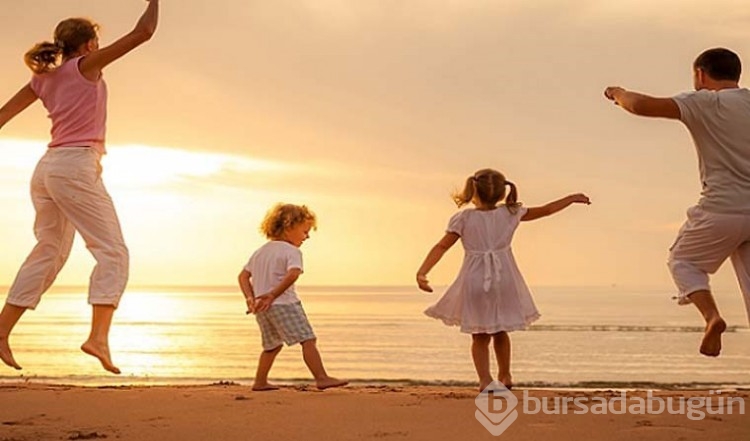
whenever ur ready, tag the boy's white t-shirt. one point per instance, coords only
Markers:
(719, 122)
(268, 267)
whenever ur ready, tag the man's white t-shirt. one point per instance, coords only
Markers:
(719, 122)
(269, 265)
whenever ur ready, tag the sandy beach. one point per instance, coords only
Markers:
(233, 412)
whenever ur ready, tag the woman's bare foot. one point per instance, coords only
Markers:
(101, 352)
(6, 355)
(329, 382)
(711, 344)
(264, 387)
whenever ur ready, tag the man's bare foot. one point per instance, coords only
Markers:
(6, 355)
(264, 387)
(101, 352)
(711, 344)
(329, 382)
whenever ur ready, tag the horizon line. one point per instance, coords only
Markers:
(325, 285)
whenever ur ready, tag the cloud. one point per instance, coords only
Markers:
(149, 166)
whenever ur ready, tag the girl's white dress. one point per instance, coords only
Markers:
(489, 294)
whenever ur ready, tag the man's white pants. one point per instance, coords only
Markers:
(69, 196)
(704, 242)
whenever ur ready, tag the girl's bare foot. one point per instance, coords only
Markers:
(329, 382)
(6, 355)
(264, 387)
(483, 384)
(506, 380)
(711, 344)
(101, 352)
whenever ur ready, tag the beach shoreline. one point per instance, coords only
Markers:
(229, 411)
(136, 381)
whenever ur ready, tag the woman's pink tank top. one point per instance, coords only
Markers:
(76, 106)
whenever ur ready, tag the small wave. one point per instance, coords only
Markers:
(624, 328)
(106, 382)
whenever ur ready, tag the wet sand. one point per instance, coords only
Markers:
(234, 412)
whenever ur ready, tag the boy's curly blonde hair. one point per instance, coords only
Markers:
(284, 216)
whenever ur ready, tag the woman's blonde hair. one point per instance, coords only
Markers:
(69, 35)
(284, 216)
(488, 187)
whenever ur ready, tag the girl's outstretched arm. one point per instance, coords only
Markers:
(92, 65)
(433, 257)
(20, 101)
(555, 206)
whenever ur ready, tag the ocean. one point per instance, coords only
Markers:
(587, 337)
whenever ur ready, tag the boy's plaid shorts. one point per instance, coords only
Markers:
(285, 323)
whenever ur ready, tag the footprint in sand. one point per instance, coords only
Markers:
(380, 434)
(26, 422)
(77, 435)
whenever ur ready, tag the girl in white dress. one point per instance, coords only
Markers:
(489, 297)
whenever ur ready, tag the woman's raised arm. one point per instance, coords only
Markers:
(92, 64)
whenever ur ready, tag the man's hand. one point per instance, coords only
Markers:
(612, 92)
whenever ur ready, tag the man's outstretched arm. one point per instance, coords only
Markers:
(643, 105)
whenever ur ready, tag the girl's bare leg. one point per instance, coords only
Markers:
(264, 367)
(315, 364)
(480, 352)
(8, 319)
(97, 344)
(501, 343)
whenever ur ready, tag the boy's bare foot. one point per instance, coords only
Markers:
(484, 384)
(101, 352)
(264, 387)
(711, 344)
(329, 382)
(6, 355)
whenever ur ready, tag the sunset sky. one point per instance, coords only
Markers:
(371, 112)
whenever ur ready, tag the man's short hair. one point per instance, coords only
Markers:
(719, 64)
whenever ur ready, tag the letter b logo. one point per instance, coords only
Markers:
(496, 408)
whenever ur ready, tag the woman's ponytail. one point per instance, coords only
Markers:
(43, 57)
